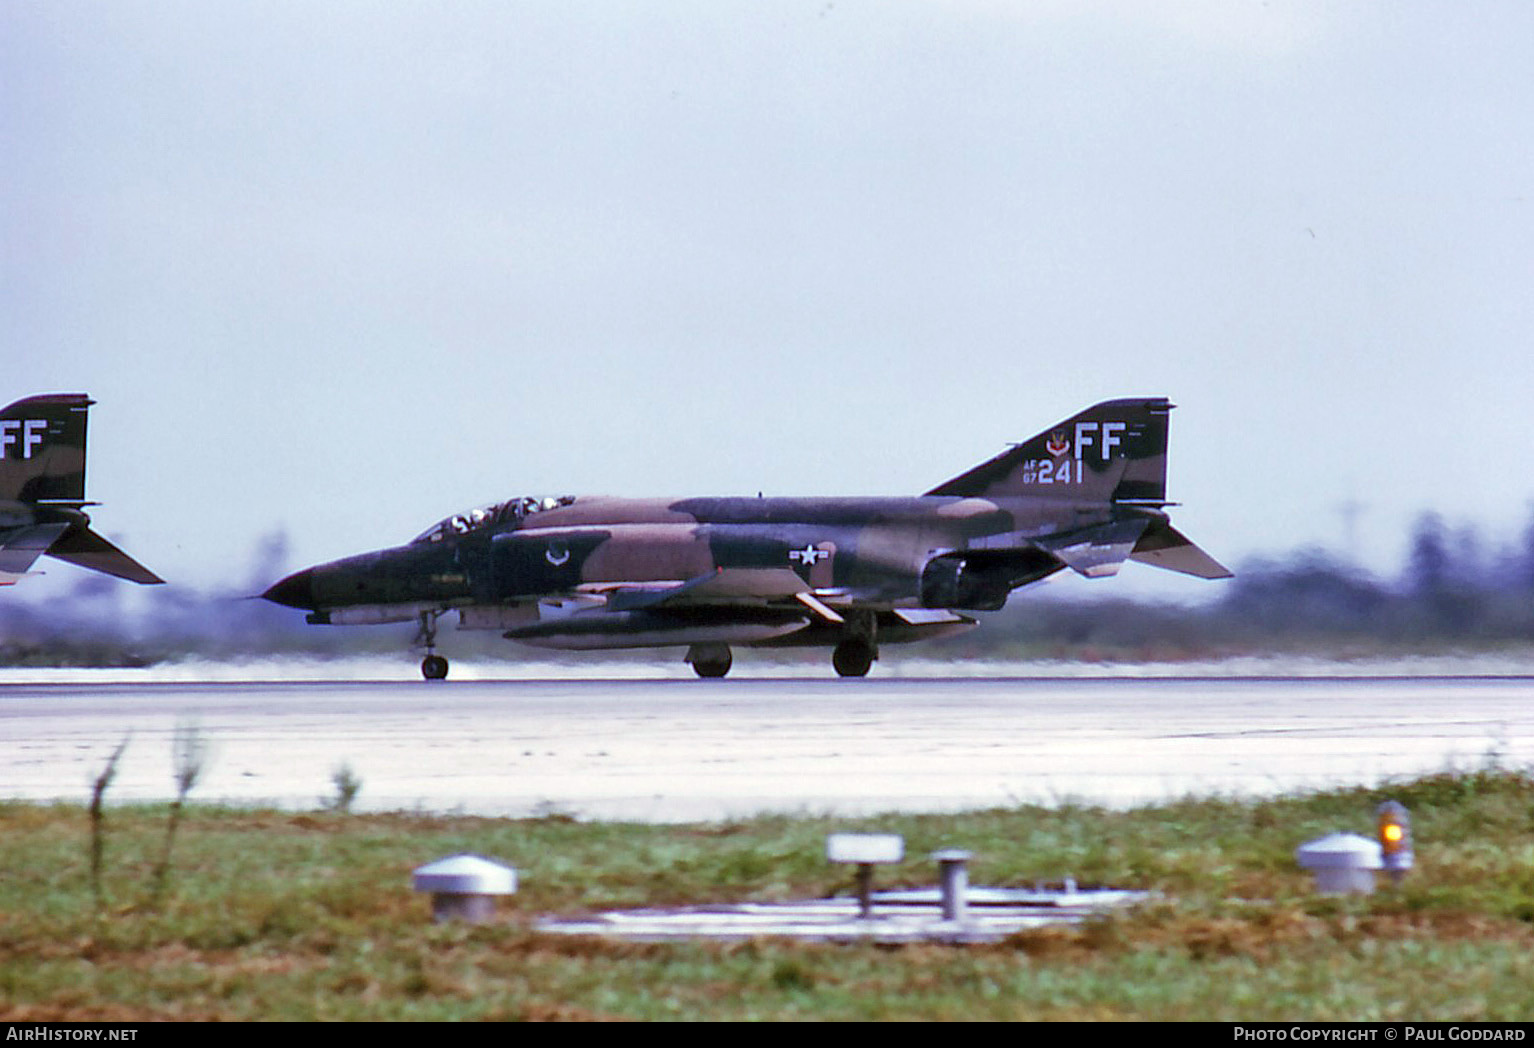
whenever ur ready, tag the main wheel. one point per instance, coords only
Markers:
(852, 658)
(434, 667)
(710, 660)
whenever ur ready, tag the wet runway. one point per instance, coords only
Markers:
(672, 749)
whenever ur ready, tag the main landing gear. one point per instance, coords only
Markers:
(859, 647)
(433, 666)
(710, 660)
(852, 658)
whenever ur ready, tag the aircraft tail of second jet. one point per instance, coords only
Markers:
(42, 448)
(42, 471)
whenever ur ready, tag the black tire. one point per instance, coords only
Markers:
(713, 667)
(710, 660)
(852, 658)
(434, 667)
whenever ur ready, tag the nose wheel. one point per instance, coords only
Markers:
(433, 666)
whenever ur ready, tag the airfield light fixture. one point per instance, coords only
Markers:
(1394, 824)
(865, 850)
(953, 882)
(464, 887)
(1342, 863)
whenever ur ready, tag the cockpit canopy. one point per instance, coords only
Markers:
(511, 511)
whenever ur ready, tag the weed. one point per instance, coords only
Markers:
(98, 818)
(347, 785)
(191, 754)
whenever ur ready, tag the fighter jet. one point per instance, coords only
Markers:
(42, 491)
(850, 574)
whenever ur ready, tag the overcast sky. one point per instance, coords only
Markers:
(345, 268)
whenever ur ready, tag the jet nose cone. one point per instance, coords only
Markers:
(295, 591)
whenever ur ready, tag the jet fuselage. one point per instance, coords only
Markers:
(875, 551)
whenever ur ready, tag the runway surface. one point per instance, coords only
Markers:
(674, 750)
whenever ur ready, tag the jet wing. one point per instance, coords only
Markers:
(725, 587)
(20, 547)
(84, 547)
(730, 606)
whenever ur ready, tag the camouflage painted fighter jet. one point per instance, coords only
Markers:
(42, 491)
(846, 573)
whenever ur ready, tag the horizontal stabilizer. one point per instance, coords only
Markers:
(84, 547)
(1163, 546)
(1096, 552)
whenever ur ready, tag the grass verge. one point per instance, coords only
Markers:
(277, 915)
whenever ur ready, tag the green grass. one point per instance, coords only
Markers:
(274, 915)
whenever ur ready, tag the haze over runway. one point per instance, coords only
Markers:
(681, 750)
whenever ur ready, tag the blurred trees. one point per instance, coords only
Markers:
(1454, 591)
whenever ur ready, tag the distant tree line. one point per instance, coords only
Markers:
(1453, 591)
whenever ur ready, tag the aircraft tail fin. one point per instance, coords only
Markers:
(42, 448)
(1111, 452)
